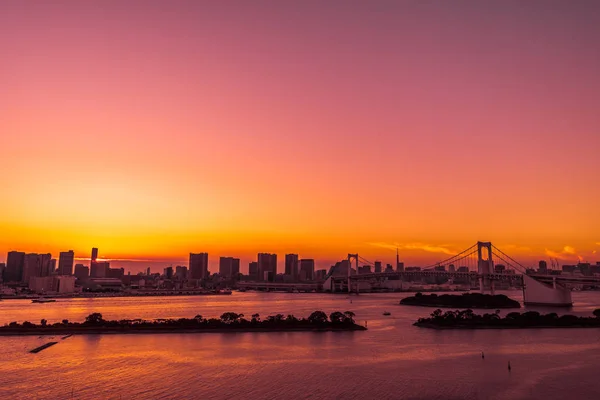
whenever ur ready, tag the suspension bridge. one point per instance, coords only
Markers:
(482, 262)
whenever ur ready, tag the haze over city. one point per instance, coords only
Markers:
(154, 129)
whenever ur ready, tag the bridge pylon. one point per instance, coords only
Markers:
(350, 258)
(485, 266)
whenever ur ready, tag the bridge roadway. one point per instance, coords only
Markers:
(428, 273)
(280, 286)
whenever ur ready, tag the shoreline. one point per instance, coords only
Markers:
(429, 325)
(153, 330)
(458, 307)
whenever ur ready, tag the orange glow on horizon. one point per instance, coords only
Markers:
(152, 135)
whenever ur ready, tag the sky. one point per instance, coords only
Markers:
(153, 129)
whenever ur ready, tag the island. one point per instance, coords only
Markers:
(466, 319)
(465, 300)
(94, 323)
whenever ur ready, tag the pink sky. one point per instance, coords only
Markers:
(152, 129)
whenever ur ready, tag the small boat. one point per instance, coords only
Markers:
(387, 313)
(43, 301)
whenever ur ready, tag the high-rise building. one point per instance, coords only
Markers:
(198, 266)
(81, 271)
(253, 271)
(399, 265)
(14, 266)
(65, 262)
(307, 268)
(229, 267)
(148, 271)
(94, 254)
(291, 265)
(543, 267)
(267, 266)
(320, 274)
(2, 268)
(181, 273)
(99, 269)
(36, 265)
(53, 265)
(377, 266)
(168, 273)
(451, 268)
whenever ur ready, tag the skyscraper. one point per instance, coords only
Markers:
(198, 266)
(307, 269)
(94, 254)
(229, 267)
(267, 266)
(81, 271)
(35, 265)
(65, 262)
(14, 266)
(291, 265)
(253, 271)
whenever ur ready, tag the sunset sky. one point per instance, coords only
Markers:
(152, 129)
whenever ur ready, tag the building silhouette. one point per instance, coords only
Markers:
(14, 266)
(181, 273)
(36, 265)
(253, 271)
(267, 266)
(65, 262)
(229, 267)
(291, 266)
(99, 269)
(307, 269)
(198, 266)
(81, 271)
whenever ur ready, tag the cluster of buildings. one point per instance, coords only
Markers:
(28, 273)
(579, 269)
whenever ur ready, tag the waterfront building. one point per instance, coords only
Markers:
(65, 262)
(229, 267)
(181, 273)
(542, 267)
(389, 268)
(35, 265)
(81, 271)
(116, 273)
(451, 268)
(291, 266)
(52, 284)
(99, 269)
(253, 271)
(198, 266)
(320, 274)
(53, 266)
(267, 266)
(168, 273)
(307, 268)
(14, 266)
(377, 267)
(2, 268)
(499, 268)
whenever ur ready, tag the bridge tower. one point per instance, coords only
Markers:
(485, 267)
(350, 258)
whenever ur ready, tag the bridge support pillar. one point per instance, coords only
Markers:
(542, 294)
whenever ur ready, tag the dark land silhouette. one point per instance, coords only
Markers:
(465, 300)
(228, 322)
(466, 319)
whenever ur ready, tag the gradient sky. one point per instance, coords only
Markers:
(152, 129)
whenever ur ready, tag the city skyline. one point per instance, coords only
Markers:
(213, 263)
(317, 129)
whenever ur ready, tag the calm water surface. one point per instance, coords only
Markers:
(392, 360)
